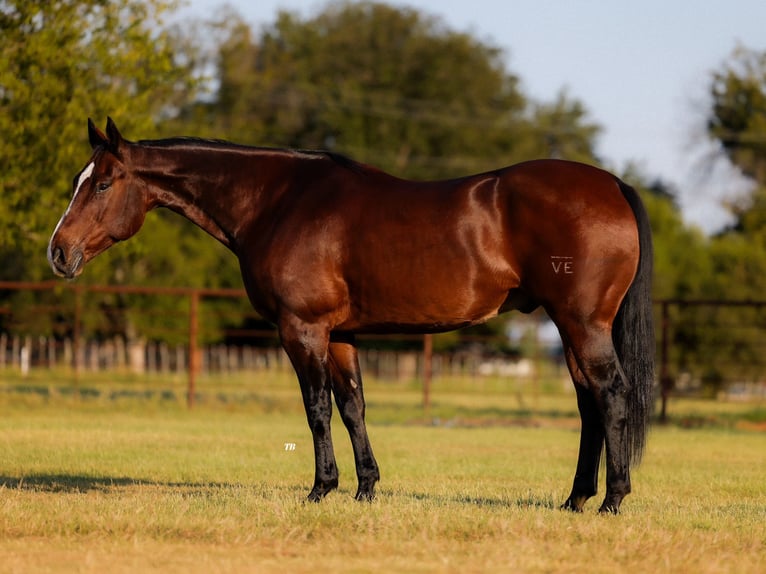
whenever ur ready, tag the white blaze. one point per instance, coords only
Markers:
(84, 176)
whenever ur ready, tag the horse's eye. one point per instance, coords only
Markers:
(103, 186)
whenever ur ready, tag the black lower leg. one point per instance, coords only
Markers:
(366, 467)
(306, 345)
(617, 452)
(585, 484)
(319, 413)
(347, 388)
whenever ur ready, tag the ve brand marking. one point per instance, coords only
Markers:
(562, 264)
(289, 446)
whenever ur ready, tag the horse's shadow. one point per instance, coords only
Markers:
(527, 501)
(62, 482)
(74, 483)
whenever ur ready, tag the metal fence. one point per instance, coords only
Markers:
(711, 347)
(54, 324)
(704, 346)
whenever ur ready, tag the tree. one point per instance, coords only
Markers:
(737, 121)
(732, 264)
(738, 113)
(681, 264)
(389, 86)
(61, 63)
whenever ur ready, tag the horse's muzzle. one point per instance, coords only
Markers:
(62, 265)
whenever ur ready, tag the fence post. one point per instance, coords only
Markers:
(193, 329)
(666, 381)
(428, 352)
(76, 333)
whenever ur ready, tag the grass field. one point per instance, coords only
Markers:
(116, 478)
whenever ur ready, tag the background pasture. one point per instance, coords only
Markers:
(94, 480)
(116, 475)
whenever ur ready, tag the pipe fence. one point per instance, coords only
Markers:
(704, 346)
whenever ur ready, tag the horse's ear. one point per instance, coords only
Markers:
(96, 136)
(115, 138)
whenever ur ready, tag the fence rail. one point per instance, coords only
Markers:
(711, 342)
(139, 354)
(144, 357)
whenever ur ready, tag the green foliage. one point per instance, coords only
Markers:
(61, 63)
(711, 344)
(737, 117)
(737, 255)
(737, 122)
(681, 263)
(386, 85)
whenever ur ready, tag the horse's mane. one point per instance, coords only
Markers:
(202, 143)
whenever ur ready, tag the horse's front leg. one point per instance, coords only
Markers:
(307, 346)
(347, 388)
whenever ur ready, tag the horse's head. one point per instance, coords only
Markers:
(108, 205)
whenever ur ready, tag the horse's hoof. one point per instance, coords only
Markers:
(320, 491)
(365, 495)
(366, 490)
(573, 505)
(314, 497)
(609, 509)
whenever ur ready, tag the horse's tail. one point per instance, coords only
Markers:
(633, 334)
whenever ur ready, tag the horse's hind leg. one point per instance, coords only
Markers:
(307, 346)
(585, 483)
(347, 388)
(597, 360)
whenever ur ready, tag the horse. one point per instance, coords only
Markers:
(330, 248)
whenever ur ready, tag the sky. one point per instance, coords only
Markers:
(641, 69)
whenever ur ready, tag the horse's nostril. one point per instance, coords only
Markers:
(59, 263)
(58, 257)
(66, 263)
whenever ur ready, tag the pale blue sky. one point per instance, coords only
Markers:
(641, 68)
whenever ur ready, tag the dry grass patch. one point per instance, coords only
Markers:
(93, 487)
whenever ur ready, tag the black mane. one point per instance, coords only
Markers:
(195, 142)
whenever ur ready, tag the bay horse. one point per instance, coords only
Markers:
(330, 248)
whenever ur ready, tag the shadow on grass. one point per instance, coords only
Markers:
(67, 483)
(450, 415)
(80, 484)
(528, 501)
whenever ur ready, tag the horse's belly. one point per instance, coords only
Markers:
(435, 301)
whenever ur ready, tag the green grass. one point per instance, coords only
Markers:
(133, 481)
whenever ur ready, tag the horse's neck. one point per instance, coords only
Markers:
(207, 190)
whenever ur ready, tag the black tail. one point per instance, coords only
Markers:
(633, 333)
